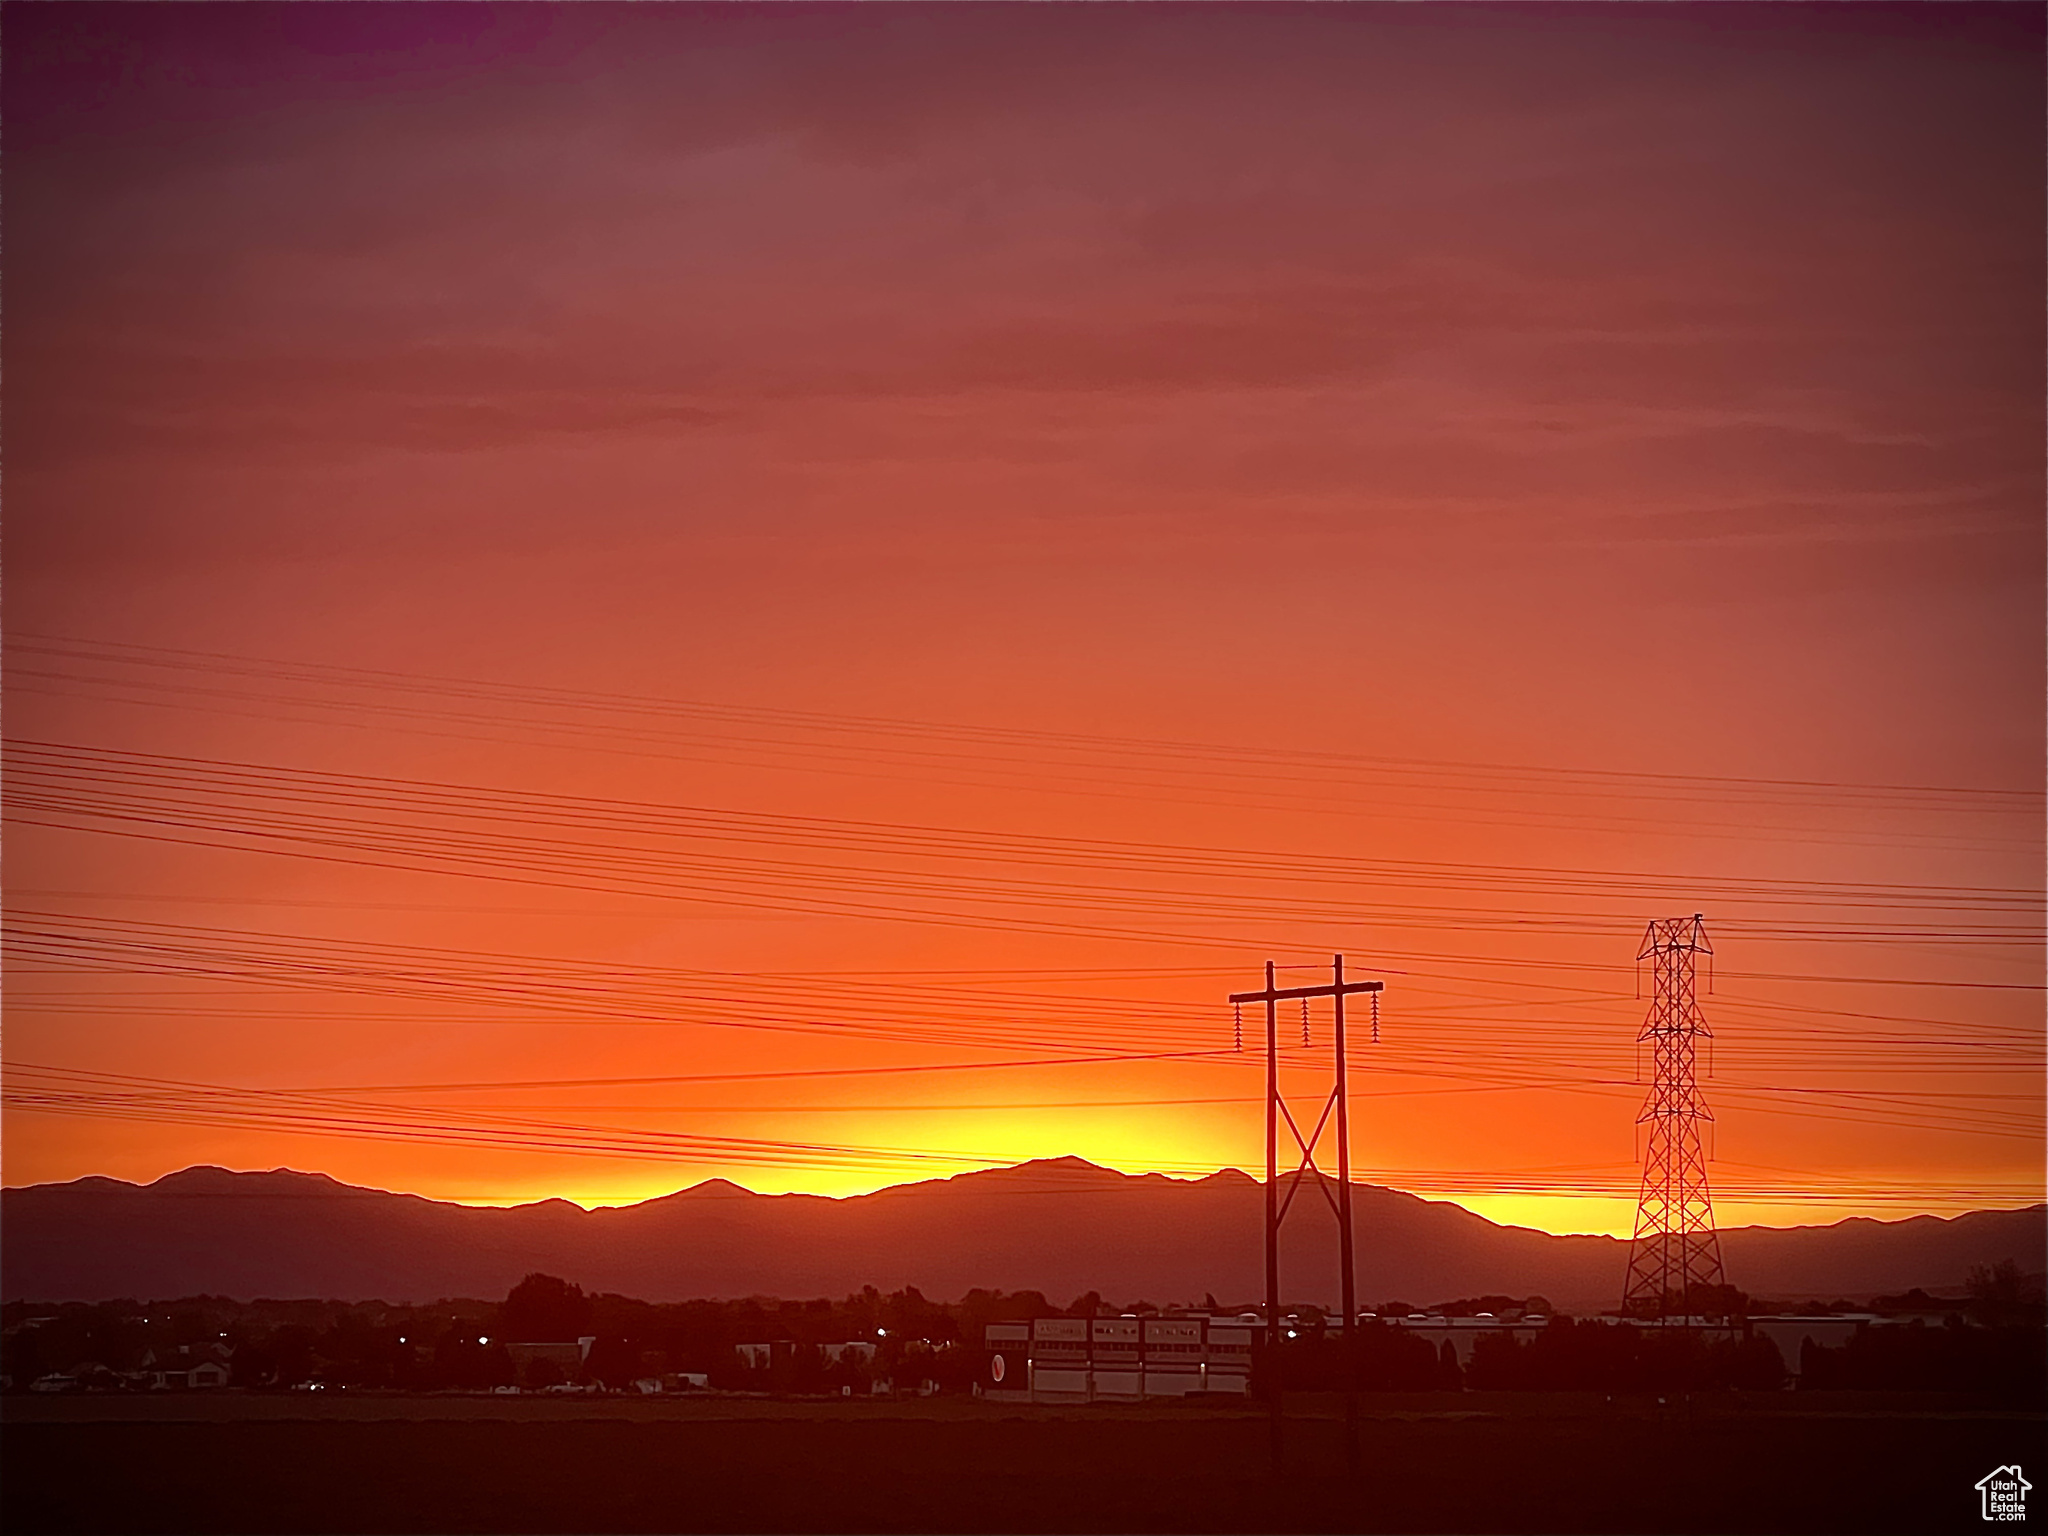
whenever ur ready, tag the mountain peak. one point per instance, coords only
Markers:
(1068, 1165)
(714, 1189)
(207, 1179)
(93, 1184)
(1039, 1174)
(1066, 1172)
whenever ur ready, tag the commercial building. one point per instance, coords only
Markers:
(564, 1358)
(1436, 1329)
(1126, 1359)
(1116, 1359)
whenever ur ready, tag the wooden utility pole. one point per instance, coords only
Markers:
(1277, 1208)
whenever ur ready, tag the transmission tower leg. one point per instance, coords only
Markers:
(1275, 1423)
(1347, 1287)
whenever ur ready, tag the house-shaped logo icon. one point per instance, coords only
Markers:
(2005, 1493)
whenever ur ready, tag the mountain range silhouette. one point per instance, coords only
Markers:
(1062, 1226)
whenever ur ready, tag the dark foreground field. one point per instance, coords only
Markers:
(1469, 1462)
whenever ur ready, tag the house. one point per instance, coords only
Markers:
(91, 1376)
(188, 1367)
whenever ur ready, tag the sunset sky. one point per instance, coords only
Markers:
(601, 596)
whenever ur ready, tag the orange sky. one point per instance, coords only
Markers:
(1594, 441)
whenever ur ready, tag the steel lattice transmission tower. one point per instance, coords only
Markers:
(1676, 1249)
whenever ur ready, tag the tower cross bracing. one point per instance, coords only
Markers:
(1676, 1249)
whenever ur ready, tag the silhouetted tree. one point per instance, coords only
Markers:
(909, 1365)
(1723, 1301)
(1472, 1306)
(907, 1315)
(1499, 1363)
(109, 1333)
(462, 1360)
(1570, 1356)
(291, 1348)
(355, 1351)
(254, 1365)
(542, 1309)
(1450, 1376)
(1814, 1372)
(848, 1369)
(956, 1367)
(2001, 1295)
(1755, 1364)
(1999, 1363)
(728, 1372)
(1384, 1359)
(613, 1362)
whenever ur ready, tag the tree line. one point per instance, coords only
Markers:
(1992, 1343)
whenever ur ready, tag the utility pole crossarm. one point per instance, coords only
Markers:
(1273, 995)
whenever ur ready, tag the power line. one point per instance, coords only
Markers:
(1602, 781)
